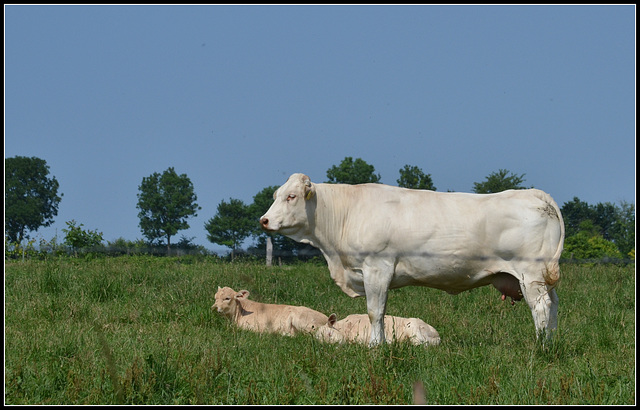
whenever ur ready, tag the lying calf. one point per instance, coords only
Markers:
(264, 317)
(357, 328)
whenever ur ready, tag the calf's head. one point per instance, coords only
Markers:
(288, 213)
(227, 300)
(329, 332)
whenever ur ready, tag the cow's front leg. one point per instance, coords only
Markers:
(376, 287)
(543, 303)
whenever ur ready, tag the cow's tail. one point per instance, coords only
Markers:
(552, 270)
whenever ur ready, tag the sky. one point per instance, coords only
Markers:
(239, 97)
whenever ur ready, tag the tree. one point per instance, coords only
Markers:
(574, 213)
(165, 202)
(78, 238)
(261, 203)
(589, 244)
(624, 229)
(605, 217)
(610, 222)
(413, 177)
(352, 172)
(231, 225)
(499, 181)
(30, 197)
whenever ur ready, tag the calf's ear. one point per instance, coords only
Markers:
(242, 294)
(332, 319)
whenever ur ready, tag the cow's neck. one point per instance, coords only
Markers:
(329, 231)
(328, 228)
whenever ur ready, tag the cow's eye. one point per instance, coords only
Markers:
(290, 197)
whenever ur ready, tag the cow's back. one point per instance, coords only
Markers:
(386, 209)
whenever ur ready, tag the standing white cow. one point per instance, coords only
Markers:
(377, 237)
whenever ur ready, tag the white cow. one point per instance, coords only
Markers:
(377, 237)
(266, 317)
(357, 328)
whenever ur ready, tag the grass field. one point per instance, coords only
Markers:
(140, 330)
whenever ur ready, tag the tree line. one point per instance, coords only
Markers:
(167, 200)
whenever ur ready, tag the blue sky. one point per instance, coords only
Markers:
(240, 97)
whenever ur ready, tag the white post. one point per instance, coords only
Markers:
(269, 250)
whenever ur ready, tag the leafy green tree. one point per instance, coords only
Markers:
(77, 238)
(231, 225)
(30, 197)
(15, 250)
(352, 172)
(589, 244)
(574, 213)
(165, 202)
(124, 246)
(499, 181)
(261, 203)
(623, 231)
(611, 222)
(413, 177)
(606, 215)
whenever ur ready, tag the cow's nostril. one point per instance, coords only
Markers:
(264, 221)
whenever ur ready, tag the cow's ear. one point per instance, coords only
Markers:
(242, 294)
(309, 189)
(332, 319)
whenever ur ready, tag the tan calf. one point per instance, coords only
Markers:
(265, 317)
(357, 328)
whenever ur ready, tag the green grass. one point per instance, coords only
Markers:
(140, 330)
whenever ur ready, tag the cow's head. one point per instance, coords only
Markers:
(288, 213)
(227, 299)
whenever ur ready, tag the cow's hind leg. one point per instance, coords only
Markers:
(543, 302)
